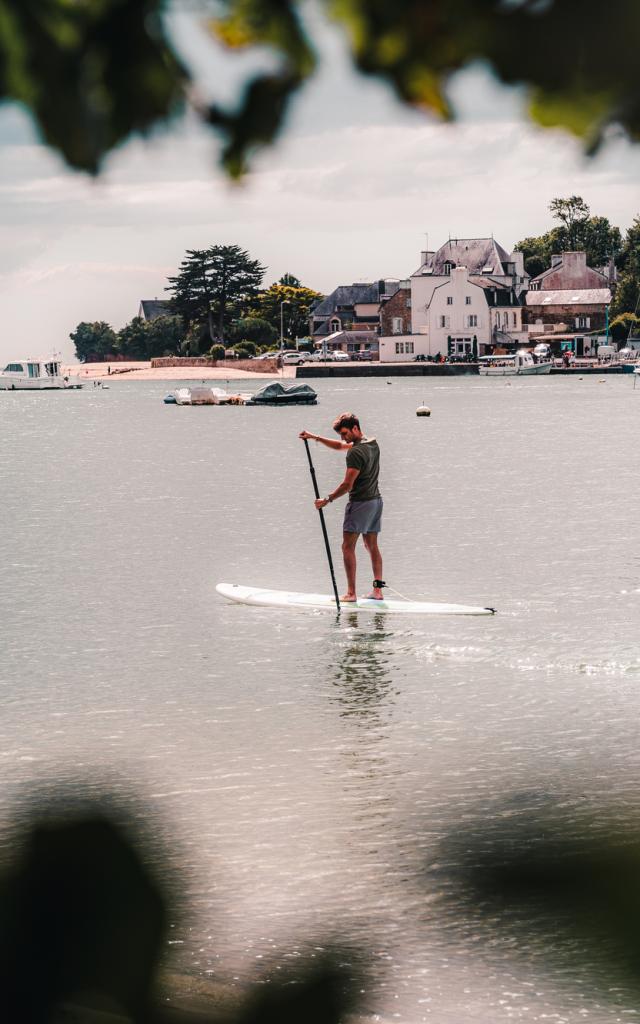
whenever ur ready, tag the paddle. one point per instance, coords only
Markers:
(323, 524)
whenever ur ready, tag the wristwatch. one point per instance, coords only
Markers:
(328, 498)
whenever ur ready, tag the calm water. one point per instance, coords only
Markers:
(311, 772)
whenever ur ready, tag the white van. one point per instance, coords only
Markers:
(606, 353)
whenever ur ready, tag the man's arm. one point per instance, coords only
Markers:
(350, 478)
(330, 442)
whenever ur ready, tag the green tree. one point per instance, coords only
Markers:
(623, 326)
(166, 334)
(578, 230)
(627, 294)
(572, 213)
(93, 73)
(215, 286)
(291, 302)
(291, 280)
(253, 330)
(134, 338)
(94, 342)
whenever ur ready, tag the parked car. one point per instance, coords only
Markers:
(292, 358)
(542, 352)
(340, 357)
(363, 355)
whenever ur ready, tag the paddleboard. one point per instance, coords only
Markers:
(291, 599)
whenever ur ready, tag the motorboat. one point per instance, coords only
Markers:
(276, 393)
(35, 375)
(204, 396)
(521, 363)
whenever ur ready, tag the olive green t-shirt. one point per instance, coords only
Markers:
(365, 456)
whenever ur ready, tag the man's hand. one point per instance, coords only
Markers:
(321, 502)
(306, 436)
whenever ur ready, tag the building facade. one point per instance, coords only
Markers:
(569, 304)
(353, 313)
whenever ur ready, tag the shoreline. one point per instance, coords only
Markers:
(142, 370)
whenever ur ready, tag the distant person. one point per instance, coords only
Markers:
(363, 514)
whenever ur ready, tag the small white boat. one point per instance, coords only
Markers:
(205, 396)
(520, 363)
(34, 375)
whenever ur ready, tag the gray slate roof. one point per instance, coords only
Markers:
(346, 295)
(473, 253)
(505, 295)
(566, 297)
(153, 308)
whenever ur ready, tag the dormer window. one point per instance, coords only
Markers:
(335, 326)
(447, 267)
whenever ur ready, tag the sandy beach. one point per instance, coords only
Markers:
(144, 371)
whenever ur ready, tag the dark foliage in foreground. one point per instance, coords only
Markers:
(92, 73)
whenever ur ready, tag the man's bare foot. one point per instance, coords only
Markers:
(349, 598)
(375, 595)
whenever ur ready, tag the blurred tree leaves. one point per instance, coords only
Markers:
(93, 71)
(83, 927)
(90, 71)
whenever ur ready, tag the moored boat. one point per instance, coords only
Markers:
(521, 363)
(35, 375)
(276, 393)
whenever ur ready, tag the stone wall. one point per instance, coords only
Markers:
(566, 314)
(399, 305)
(254, 365)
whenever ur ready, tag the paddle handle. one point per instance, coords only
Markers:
(323, 524)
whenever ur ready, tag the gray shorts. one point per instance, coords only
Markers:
(363, 516)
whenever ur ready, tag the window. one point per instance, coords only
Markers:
(447, 268)
(34, 369)
(443, 321)
(399, 348)
(467, 300)
(408, 347)
(582, 322)
(449, 300)
(472, 320)
(335, 326)
(396, 325)
(515, 321)
(408, 302)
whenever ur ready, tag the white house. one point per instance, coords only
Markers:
(466, 297)
(463, 315)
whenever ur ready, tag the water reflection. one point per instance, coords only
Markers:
(361, 672)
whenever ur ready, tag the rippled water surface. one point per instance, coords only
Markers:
(316, 774)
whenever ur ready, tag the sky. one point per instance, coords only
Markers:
(355, 189)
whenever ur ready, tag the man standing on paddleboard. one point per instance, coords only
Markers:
(363, 514)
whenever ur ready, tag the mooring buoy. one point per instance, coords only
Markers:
(423, 410)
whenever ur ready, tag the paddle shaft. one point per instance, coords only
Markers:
(323, 524)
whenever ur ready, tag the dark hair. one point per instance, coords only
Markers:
(346, 420)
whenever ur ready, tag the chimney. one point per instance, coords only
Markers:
(556, 260)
